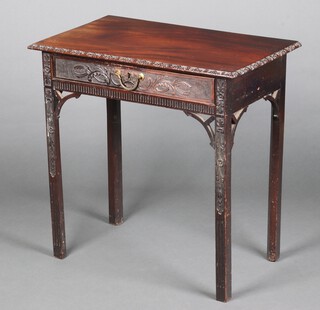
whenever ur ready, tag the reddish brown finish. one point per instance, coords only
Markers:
(256, 84)
(242, 68)
(114, 162)
(183, 87)
(52, 109)
(275, 174)
(223, 145)
(117, 38)
(55, 179)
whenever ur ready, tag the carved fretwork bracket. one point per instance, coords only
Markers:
(53, 107)
(206, 122)
(62, 99)
(273, 99)
(235, 121)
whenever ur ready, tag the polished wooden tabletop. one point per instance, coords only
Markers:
(166, 46)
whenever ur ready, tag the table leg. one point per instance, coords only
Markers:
(275, 174)
(223, 142)
(114, 162)
(55, 176)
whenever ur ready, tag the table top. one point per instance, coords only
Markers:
(169, 47)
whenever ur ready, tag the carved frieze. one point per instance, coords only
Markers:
(169, 85)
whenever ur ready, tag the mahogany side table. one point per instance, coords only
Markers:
(212, 76)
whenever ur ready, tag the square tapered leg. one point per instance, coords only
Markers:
(275, 173)
(55, 175)
(114, 162)
(223, 141)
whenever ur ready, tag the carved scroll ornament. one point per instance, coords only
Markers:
(111, 77)
(151, 82)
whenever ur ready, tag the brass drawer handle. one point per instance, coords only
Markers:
(130, 82)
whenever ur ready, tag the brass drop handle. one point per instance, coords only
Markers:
(131, 82)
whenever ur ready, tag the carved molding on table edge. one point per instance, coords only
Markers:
(161, 65)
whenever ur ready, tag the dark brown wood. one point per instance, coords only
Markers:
(54, 101)
(197, 71)
(275, 174)
(223, 143)
(171, 47)
(256, 84)
(55, 176)
(54, 160)
(114, 162)
(120, 94)
(177, 86)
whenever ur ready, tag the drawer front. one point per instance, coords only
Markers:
(150, 82)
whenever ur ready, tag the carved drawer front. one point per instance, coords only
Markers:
(151, 82)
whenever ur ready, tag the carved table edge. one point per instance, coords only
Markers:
(167, 66)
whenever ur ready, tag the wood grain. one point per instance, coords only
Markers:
(166, 46)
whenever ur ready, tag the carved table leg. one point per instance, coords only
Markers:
(52, 107)
(275, 172)
(114, 162)
(55, 177)
(223, 142)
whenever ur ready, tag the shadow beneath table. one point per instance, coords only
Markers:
(137, 201)
(245, 241)
(95, 214)
(288, 272)
(24, 243)
(87, 226)
(301, 247)
(166, 274)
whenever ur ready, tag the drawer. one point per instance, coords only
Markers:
(157, 83)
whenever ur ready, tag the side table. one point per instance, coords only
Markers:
(212, 76)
